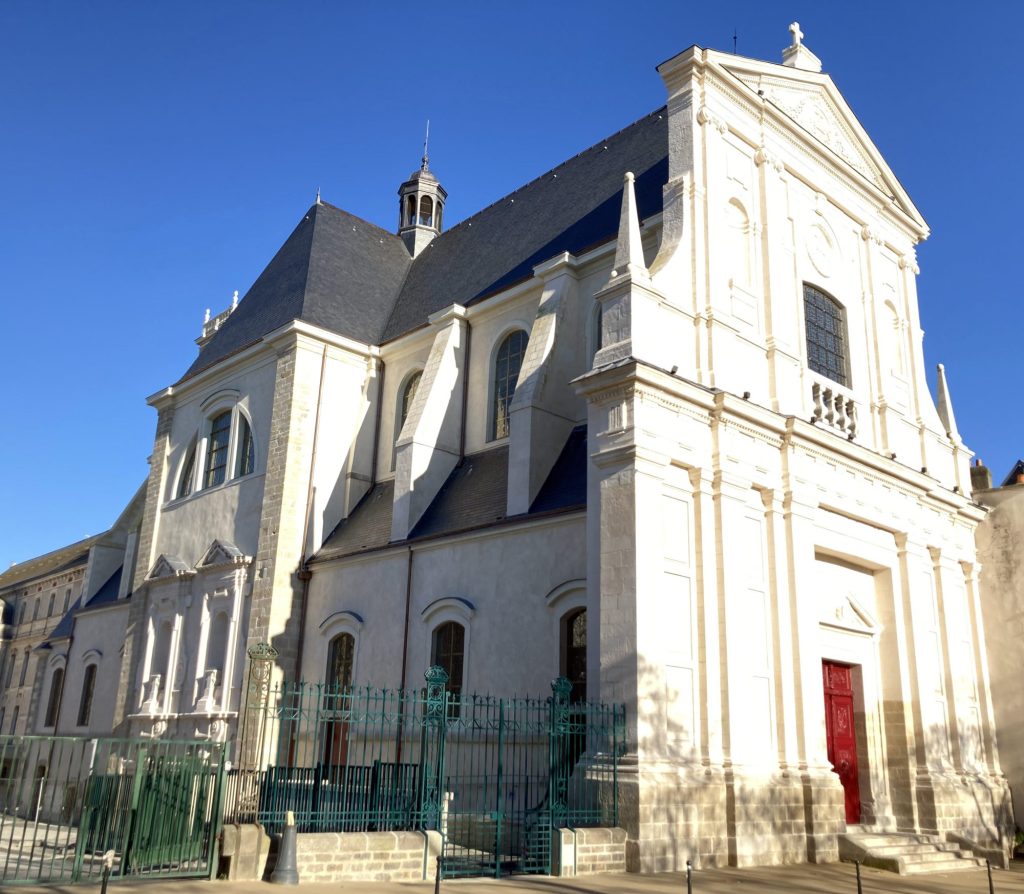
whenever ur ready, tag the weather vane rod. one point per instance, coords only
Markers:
(426, 142)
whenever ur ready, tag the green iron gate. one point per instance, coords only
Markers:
(153, 806)
(496, 777)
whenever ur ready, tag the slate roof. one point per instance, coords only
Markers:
(566, 485)
(1011, 478)
(344, 274)
(105, 595)
(475, 495)
(335, 270)
(58, 560)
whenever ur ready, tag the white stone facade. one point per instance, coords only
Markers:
(757, 511)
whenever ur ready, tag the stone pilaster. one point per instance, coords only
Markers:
(135, 629)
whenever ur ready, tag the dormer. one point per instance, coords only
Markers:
(420, 207)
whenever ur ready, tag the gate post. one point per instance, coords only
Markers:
(435, 723)
(559, 752)
(250, 746)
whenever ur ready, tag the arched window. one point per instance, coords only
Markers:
(448, 651)
(188, 473)
(340, 657)
(405, 400)
(217, 449)
(245, 458)
(426, 211)
(408, 396)
(574, 652)
(507, 363)
(21, 612)
(12, 659)
(410, 211)
(437, 216)
(825, 323)
(35, 611)
(53, 599)
(24, 669)
(14, 718)
(85, 703)
(53, 705)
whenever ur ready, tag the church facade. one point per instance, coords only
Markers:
(659, 421)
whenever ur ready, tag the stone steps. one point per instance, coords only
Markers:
(906, 854)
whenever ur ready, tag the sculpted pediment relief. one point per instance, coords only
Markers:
(846, 613)
(814, 111)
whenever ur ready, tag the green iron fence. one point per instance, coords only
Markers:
(495, 776)
(152, 806)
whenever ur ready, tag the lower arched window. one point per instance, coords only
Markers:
(574, 653)
(448, 651)
(85, 704)
(340, 660)
(53, 704)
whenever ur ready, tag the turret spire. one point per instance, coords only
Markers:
(629, 252)
(421, 204)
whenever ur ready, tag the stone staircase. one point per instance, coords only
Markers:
(905, 853)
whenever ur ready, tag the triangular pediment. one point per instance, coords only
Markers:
(849, 614)
(221, 552)
(167, 566)
(814, 104)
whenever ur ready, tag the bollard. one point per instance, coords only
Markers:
(437, 876)
(689, 877)
(857, 864)
(286, 872)
(988, 866)
(108, 864)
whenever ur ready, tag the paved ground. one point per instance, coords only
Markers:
(837, 878)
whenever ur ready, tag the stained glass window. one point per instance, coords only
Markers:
(826, 335)
(507, 364)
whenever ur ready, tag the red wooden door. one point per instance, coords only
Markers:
(842, 743)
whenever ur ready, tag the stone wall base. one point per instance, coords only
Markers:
(728, 817)
(366, 856)
(243, 852)
(975, 807)
(588, 851)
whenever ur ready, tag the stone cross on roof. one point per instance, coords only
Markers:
(798, 35)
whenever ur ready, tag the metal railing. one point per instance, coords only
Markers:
(493, 775)
(150, 807)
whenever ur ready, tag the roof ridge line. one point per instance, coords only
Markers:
(369, 223)
(557, 167)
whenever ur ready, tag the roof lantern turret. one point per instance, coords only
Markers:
(420, 205)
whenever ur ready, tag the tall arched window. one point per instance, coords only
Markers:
(507, 363)
(245, 458)
(825, 323)
(448, 651)
(188, 473)
(408, 396)
(85, 704)
(24, 669)
(574, 652)
(410, 210)
(217, 449)
(340, 660)
(53, 705)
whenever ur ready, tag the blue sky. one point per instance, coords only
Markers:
(155, 156)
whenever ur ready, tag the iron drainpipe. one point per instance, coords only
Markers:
(304, 573)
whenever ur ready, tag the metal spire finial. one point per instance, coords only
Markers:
(425, 165)
(318, 195)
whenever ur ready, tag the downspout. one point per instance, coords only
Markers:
(304, 573)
